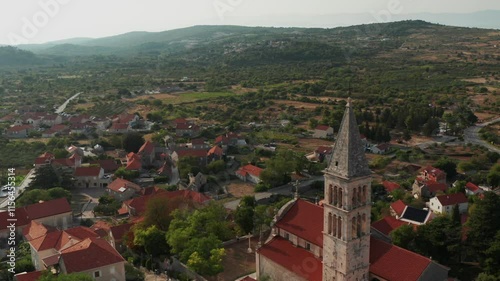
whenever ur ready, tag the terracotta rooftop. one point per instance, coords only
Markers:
(390, 186)
(87, 171)
(250, 169)
(89, 254)
(394, 263)
(322, 127)
(216, 150)
(285, 254)
(472, 187)
(388, 224)
(120, 185)
(305, 220)
(148, 147)
(398, 207)
(28, 276)
(452, 199)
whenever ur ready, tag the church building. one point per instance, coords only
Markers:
(331, 241)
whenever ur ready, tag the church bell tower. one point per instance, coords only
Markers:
(347, 207)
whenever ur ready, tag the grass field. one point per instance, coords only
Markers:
(185, 97)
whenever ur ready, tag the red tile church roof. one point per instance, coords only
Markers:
(295, 259)
(394, 263)
(305, 220)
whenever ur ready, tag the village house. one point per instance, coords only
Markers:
(55, 130)
(382, 148)
(433, 174)
(90, 177)
(64, 251)
(134, 162)
(215, 153)
(390, 186)
(186, 130)
(382, 228)
(119, 128)
(196, 182)
(249, 173)
(472, 189)
(43, 160)
(397, 209)
(323, 132)
(116, 235)
(199, 154)
(100, 122)
(321, 154)
(109, 165)
(427, 188)
(122, 190)
(443, 204)
(55, 213)
(19, 132)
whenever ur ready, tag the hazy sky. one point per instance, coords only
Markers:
(27, 21)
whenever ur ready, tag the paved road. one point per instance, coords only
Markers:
(471, 135)
(63, 106)
(283, 190)
(20, 189)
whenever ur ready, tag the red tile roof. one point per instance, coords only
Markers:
(305, 220)
(184, 126)
(394, 263)
(134, 164)
(322, 127)
(324, 149)
(435, 171)
(435, 186)
(120, 185)
(48, 208)
(16, 129)
(452, 199)
(89, 254)
(35, 230)
(390, 186)
(248, 278)
(250, 169)
(388, 224)
(180, 121)
(119, 231)
(87, 171)
(28, 276)
(472, 187)
(285, 254)
(21, 217)
(398, 207)
(109, 165)
(222, 139)
(216, 150)
(148, 147)
(119, 126)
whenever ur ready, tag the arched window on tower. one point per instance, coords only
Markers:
(340, 200)
(359, 226)
(329, 194)
(334, 225)
(354, 227)
(363, 223)
(354, 203)
(335, 196)
(360, 200)
(365, 194)
(339, 228)
(330, 221)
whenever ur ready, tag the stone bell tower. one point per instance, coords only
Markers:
(347, 207)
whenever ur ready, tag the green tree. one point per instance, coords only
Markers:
(244, 217)
(126, 174)
(44, 178)
(133, 274)
(37, 195)
(404, 237)
(448, 165)
(132, 142)
(152, 240)
(483, 225)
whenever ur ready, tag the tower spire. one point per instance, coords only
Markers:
(348, 160)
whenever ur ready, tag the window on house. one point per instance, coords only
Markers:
(308, 246)
(287, 236)
(97, 274)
